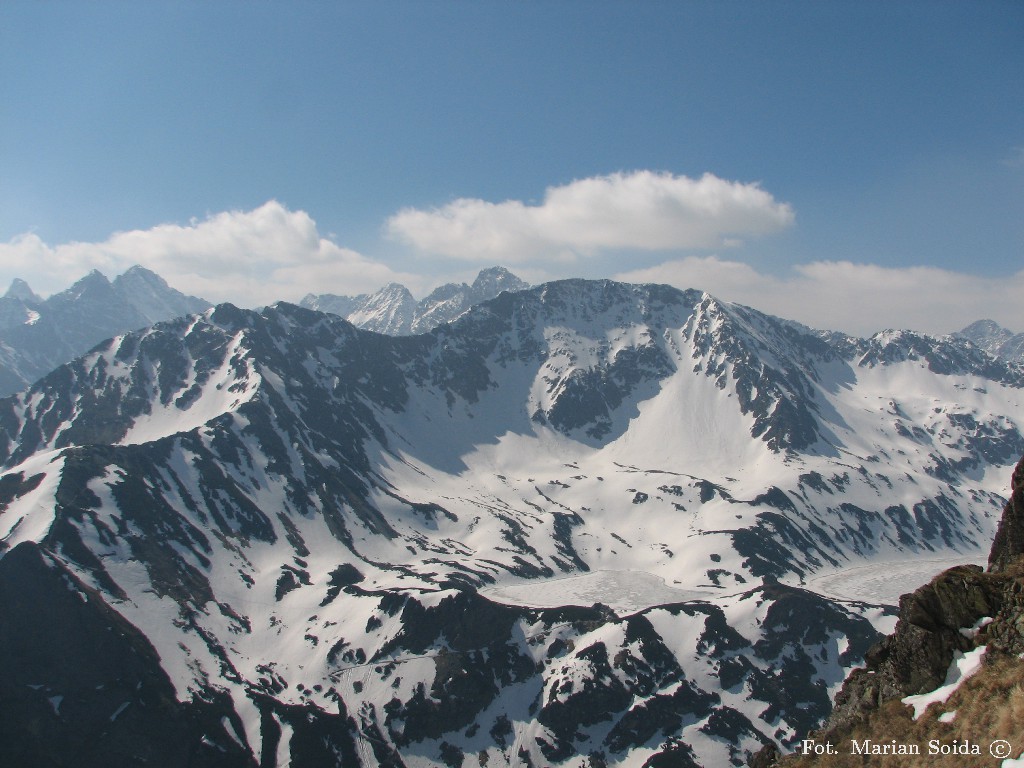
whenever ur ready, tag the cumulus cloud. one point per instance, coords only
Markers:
(270, 253)
(856, 298)
(246, 257)
(643, 210)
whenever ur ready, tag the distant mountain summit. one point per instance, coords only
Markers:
(995, 339)
(393, 309)
(16, 306)
(152, 298)
(37, 335)
(20, 290)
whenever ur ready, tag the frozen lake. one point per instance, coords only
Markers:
(623, 591)
(885, 582)
(628, 592)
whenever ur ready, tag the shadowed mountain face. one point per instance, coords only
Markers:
(37, 335)
(309, 533)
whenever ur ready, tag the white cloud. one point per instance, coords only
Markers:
(643, 210)
(271, 253)
(246, 257)
(856, 298)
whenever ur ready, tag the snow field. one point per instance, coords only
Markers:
(30, 517)
(216, 397)
(963, 666)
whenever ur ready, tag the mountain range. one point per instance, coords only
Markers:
(37, 335)
(394, 311)
(578, 525)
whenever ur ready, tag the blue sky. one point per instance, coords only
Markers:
(850, 165)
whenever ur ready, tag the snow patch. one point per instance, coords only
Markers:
(964, 665)
(29, 518)
(284, 745)
(217, 396)
(229, 729)
(972, 632)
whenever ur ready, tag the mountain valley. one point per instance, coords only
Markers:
(319, 544)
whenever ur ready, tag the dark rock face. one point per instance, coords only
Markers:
(915, 658)
(1009, 541)
(88, 687)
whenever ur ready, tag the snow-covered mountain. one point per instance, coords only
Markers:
(37, 335)
(393, 309)
(574, 527)
(995, 339)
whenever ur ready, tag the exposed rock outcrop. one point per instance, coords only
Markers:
(1008, 545)
(915, 658)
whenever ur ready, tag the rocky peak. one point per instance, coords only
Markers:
(343, 306)
(151, 296)
(389, 310)
(985, 329)
(92, 300)
(92, 283)
(994, 339)
(139, 272)
(40, 335)
(20, 290)
(18, 306)
(393, 309)
(490, 282)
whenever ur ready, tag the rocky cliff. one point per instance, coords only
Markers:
(1009, 541)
